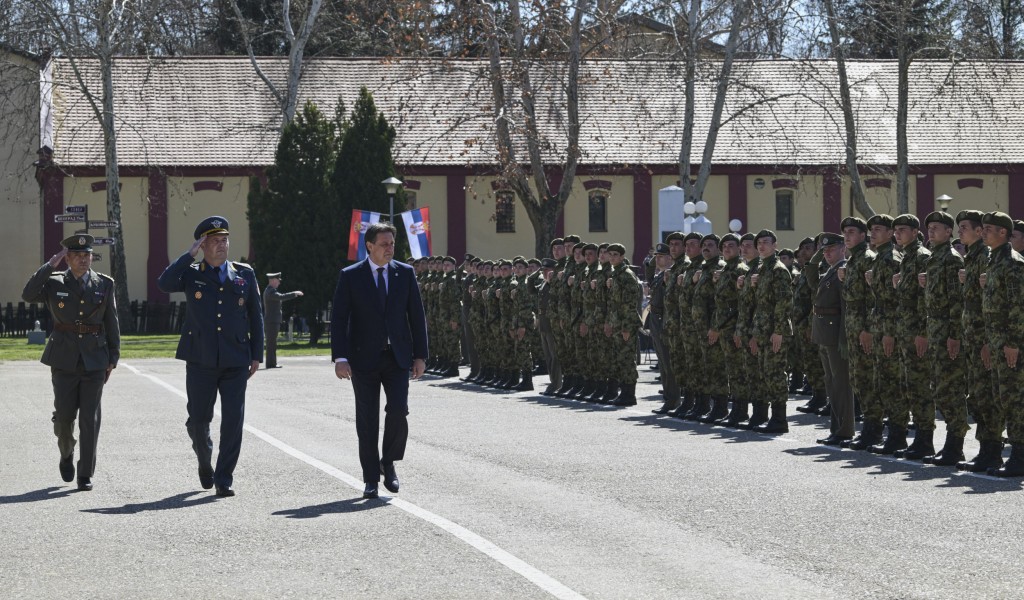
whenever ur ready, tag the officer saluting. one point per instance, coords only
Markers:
(81, 352)
(221, 344)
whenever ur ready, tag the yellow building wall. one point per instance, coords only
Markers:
(808, 207)
(619, 212)
(716, 194)
(187, 207)
(134, 225)
(995, 195)
(883, 200)
(20, 199)
(433, 193)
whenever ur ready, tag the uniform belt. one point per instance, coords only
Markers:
(826, 311)
(79, 328)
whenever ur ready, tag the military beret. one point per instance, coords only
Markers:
(211, 226)
(486, 263)
(711, 236)
(448, 259)
(880, 219)
(274, 275)
(603, 246)
(747, 237)
(504, 263)
(908, 220)
(969, 215)
(675, 235)
(548, 263)
(661, 249)
(617, 248)
(829, 239)
(805, 241)
(939, 216)
(519, 260)
(999, 219)
(766, 233)
(80, 242)
(533, 261)
(578, 246)
(556, 242)
(590, 247)
(468, 257)
(693, 235)
(729, 237)
(787, 252)
(854, 222)
(1018, 225)
(476, 261)
(572, 239)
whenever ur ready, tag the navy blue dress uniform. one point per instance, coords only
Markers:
(84, 346)
(221, 337)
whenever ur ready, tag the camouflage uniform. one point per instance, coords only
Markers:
(449, 312)
(980, 384)
(702, 309)
(726, 315)
(915, 394)
(773, 295)
(1004, 326)
(806, 358)
(943, 303)
(673, 339)
(858, 301)
(624, 298)
(751, 386)
(689, 370)
(883, 322)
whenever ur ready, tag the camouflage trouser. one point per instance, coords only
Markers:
(679, 360)
(1008, 405)
(772, 370)
(981, 401)
(625, 357)
(567, 351)
(716, 379)
(861, 366)
(887, 386)
(915, 395)
(451, 345)
(693, 370)
(949, 385)
(533, 340)
(734, 368)
(808, 358)
(753, 386)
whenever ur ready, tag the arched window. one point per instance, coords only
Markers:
(597, 206)
(784, 210)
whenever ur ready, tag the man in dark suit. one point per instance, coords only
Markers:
(221, 344)
(827, 331)
(81, 352)
(379, 333)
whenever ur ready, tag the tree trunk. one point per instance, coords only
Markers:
(856, 188)
(902, 110)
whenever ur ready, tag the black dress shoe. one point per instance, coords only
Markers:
(85, 484)
(206, 478)
(370, 491)
(834, 440)
(273, 366)
(67, 468)
(390, 476)
(225, 491)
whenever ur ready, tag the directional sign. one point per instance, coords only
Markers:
(103, 242)
(76, 208)
(96, 256)
(102, 224)
(68, 218)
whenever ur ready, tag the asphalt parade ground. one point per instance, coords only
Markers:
(502, 496)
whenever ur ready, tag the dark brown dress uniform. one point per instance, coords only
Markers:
(86, 339)
(827, 330)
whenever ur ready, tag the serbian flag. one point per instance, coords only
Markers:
(417, 227)
(361, 221)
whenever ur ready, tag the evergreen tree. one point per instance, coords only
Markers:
(296, 223)
(364, 160)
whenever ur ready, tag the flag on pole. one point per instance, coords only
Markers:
(417, 227)
(361, 221)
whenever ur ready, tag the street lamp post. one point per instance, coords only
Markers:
(944, 201)
(391, 184)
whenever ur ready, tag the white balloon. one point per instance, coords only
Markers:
(735, 225)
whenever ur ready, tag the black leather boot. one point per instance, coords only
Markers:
(599, 390)
(922, 446)
(870, 434)
(586, 390)
(451, 371)
(701, 406)
(759, 416)
(627, 397)
(990, 457)
(568, 382)
(1014, 466)
(738, 414)
(511, 381)
(952, 452)
(817, 401)
(612, 391)
(685, 406)
(526, 383)
(896, 440)
(667, 407)
(577, 385)
(825, 410)
(777, 424)
(719, 410)
(796, 382)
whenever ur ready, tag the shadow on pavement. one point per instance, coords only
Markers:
(36, 495)
(730, 436)
(331, 508)
(170, 503)
(910, 470)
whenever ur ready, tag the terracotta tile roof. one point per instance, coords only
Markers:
(215, 111)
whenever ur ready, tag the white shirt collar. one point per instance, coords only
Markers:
(375, 266)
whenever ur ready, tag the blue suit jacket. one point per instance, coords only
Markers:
(361, 328)
(223, 321)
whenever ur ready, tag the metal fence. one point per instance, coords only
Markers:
(18, 320)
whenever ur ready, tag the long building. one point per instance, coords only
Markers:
(193, 131)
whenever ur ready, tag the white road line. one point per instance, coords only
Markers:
(517, 565)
